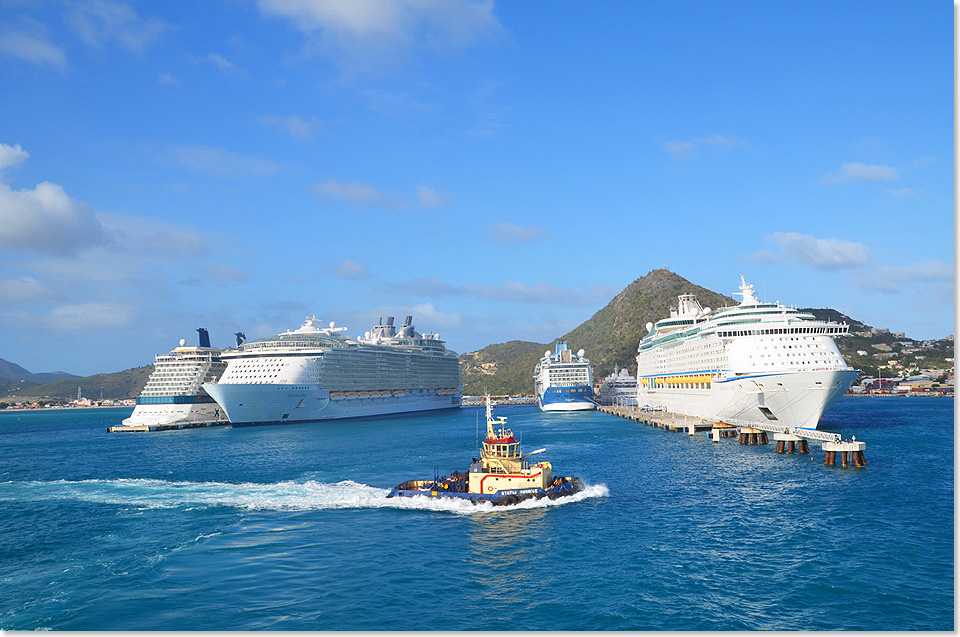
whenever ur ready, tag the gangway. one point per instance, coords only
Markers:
(801, 432)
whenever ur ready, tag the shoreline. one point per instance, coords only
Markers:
(61, 408)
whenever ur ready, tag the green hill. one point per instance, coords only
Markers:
(609, 337)
(500, 368)
(11, 372)
(115, 386)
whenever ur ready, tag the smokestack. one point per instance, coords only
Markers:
(204, 337)
(389, 320)
(409, 321)
(241, 338)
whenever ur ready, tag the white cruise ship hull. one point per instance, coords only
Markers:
(793, 399)
(172, 414)
(571, 406)
(252, 404)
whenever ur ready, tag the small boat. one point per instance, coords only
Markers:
(502, 475)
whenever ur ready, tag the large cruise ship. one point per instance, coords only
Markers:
(174, 393)
(564, 380)
(754, 362)
(619, 388)
(319, 373)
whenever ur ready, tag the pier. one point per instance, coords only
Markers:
(192, 424)
(789, 440)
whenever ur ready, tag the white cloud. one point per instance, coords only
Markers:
(220, 62)
(765, 256)
(825, 254)
(430, 198)
(540, 293)
(139, 235)
(98, 22)
(363, 193)
(513, 291)
(424, 286)
(12, 156)
(349, 269)
(392, 102)
(891, 278)
(222, 274)
(856, 171)
(903, 193)
(48, 221)
(296, 127)
(359, 193)
(91, 316)
(218, 162)
(169, 79)
(45, 219)
(687, 149)
(426, 317)
(28, 41)
(25, 289)
(680, 149)
(364, 35)
(508, 232)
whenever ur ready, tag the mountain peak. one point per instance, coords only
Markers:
(13, 372)
(610, 337)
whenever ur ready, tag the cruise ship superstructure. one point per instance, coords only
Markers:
(753, 362)
(564, 380)
(619, 388)
(319, 373)
(174, 392)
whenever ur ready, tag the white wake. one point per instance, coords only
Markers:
(288, 495)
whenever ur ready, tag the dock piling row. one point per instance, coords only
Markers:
(851, 451)
(753, 436)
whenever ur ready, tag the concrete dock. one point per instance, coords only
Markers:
(789, 439)
(193, 424)
(665, 420)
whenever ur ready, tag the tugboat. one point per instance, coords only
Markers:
(502, 475)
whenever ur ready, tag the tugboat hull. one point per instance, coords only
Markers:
(446, 488)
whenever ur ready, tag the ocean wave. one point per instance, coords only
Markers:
(287, 495)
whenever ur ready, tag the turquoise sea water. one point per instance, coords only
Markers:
(287, 527)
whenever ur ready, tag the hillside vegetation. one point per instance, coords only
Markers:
(610, 337)
(11, 372)
(115, 386)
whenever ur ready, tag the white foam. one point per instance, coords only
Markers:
(288, 495)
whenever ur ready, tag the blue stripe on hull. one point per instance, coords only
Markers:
(577, 394)
(419, 412)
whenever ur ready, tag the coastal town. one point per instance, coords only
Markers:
(903, 382)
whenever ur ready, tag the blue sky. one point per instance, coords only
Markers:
(498, 170)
